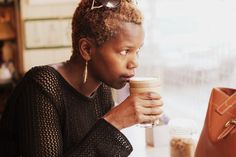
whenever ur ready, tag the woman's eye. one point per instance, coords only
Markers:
(124, 53)
(138, 52)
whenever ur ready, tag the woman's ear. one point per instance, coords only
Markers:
(85, 47)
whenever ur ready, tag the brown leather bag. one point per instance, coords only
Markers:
(218, 136)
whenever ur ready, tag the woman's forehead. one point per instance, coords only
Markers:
(129, 33)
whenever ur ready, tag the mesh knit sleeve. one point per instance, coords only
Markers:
(40, 132)
(103, 140)
(39, 126)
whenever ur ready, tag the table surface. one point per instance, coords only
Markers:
(151, 152)
(136, 137)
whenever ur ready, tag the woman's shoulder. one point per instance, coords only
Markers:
(43, 75)
(38, 79)
(41, 72)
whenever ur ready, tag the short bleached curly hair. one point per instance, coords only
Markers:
(102, 23)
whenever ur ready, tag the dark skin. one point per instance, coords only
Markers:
(113, 63)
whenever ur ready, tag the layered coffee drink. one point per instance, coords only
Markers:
(142, 85)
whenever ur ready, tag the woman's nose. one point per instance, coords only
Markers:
(133, 63)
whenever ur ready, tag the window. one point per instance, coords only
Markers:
(191, 45)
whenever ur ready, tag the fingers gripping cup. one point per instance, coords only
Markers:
(142, 85)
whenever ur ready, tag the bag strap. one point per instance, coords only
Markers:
(227, 104)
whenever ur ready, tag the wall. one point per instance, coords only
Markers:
(43, 22)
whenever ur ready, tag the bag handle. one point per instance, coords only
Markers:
(227, 104)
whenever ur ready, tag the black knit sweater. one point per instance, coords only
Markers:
(47, 117)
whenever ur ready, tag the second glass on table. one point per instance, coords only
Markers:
(145, 84)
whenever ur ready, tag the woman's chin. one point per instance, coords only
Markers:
(118, 86)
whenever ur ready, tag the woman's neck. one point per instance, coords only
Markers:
(73, 72)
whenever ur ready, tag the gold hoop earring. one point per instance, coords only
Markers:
(85, 72)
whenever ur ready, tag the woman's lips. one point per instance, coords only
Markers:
(127, 78)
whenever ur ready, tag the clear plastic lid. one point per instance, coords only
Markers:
(142, 82)
(182, 128)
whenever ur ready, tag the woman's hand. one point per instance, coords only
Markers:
(137, 108)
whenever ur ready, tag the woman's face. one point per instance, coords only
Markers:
(115, 61)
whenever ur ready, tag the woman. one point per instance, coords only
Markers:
(66, 109)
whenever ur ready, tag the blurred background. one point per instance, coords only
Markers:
(191, 46)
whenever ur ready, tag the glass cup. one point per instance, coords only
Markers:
(145, 84)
